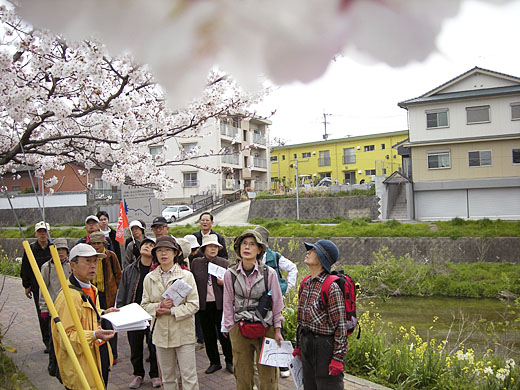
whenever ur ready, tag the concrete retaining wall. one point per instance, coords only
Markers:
(53, 215)
(360, 250)
(316, 208)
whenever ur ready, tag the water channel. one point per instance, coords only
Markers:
(467, 318)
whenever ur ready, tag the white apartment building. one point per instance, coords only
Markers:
(244, 143)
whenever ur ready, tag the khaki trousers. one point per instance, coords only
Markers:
(244, 359)
(185, 356)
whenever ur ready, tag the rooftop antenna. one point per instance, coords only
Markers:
(325, 135)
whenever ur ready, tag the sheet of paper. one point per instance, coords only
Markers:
(177, 291)
(216, 270)
(274, 355)
(127, 315)
(296, 367)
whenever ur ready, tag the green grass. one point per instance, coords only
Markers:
(313, 193)
(343, 227)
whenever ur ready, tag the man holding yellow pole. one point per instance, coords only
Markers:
(83, 262)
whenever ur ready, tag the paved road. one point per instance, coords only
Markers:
(233, 215)
(18, 321)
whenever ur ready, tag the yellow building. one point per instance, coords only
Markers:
(351, 160)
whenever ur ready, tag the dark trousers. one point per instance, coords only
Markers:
(135, 339)
(198, 329)
(44, 323)
(53, 364)
(316, 356)
(210, 320)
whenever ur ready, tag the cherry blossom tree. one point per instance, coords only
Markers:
(64, 101)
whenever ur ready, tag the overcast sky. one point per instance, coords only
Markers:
(361, 97)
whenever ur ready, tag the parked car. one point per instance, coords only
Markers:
(327, 182)
(172, 213)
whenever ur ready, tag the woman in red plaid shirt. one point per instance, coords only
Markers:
(321, 343)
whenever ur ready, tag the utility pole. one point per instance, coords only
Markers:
(325, 135)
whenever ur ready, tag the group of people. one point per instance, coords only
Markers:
(237, 310)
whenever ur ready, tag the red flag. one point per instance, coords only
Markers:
(122, 223)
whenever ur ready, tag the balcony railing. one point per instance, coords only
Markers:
(259, 139)
(324, 161)
(349, 160)
(190, 183)
(259, 162)
(228, 131)
(230, 159)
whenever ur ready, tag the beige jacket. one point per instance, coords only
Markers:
(50, 277)
(171, 330)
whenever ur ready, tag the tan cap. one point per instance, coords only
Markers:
(210, 239)
(84, 250)
(42, 225)
(97, 237)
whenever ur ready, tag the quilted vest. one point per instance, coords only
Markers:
(245, 305)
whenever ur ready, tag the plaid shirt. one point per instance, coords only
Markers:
(331, 321)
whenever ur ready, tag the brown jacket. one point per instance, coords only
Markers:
(112, 277)
(199, 268)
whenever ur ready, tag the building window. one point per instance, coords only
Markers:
(306, 155)
(283, 156)
(295, 156)
(383, 146)
(323, 175)
(515, 111)
(516, 156)
(480, 158)
(478, 114)
(155, 150)
(15, 188)
(187, 148)
(369, 148)
(324, 160)
(437, 118)
(370, 172)
(384, 171)
(439, 160)
(190, 179)
(349, 156)
(274, 158)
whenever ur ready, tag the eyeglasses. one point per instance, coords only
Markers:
(87, 261)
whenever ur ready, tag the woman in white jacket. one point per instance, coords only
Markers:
(173, 327)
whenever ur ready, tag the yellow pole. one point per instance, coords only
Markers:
(75, 318)
(54, 314)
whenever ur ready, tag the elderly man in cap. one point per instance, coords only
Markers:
(42, 253)
(159, 227)
(50, 278)
(108, 276)
(91, 226)
(85, 297)
(321, 340)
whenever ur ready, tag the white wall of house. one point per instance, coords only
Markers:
(500, 120)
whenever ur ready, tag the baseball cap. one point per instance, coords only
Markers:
(41, 225)
(91, 217)
(97, 237)
(84, 250)
(159, 221)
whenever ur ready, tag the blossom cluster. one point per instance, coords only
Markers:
(64, 100)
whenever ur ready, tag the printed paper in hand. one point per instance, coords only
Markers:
(216, 270)
(177, 291)
(129, 317)
(275, 356)
(296, 367)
